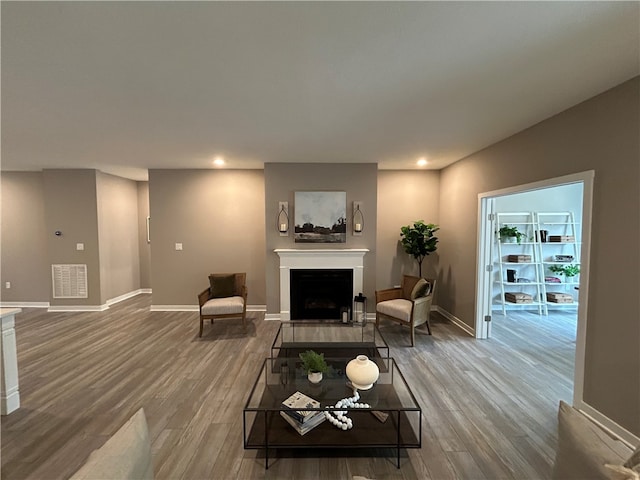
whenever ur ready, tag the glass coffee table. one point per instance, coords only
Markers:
(392, 420)
(331, 337)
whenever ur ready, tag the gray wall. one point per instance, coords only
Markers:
(600, 134)
(144, 247)
(117, 202)
(71, 207)
(282, 180)
(87, 206)
(404, 196)
(23, 238)
(218, 216)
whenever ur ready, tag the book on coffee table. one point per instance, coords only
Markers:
(300, 400)
(302, 428)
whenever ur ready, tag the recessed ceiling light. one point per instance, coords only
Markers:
(422, 162)
(219, 161)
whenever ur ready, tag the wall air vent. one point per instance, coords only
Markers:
(69, 281)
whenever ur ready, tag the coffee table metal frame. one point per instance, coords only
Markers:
(263, 427)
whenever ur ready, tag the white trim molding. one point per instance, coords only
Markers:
(455, 320)
(126, 296)
(324, 258)
(174, 308)
(609, 425)
(196, 308)
(24, 305)
(78, 308)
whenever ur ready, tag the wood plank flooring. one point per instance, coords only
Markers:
(489, 406)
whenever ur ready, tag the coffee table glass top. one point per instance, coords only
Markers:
(328, 336)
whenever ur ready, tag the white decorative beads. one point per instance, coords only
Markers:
(341, 420)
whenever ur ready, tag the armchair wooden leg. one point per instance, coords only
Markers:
(413, 336)
(428, 327)
(201, 326)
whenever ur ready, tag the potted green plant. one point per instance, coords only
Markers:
(314, 364)
(419, 240)
(568, 271)
(510, 234)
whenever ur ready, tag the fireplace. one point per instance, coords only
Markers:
(350, 259)
(320, 294)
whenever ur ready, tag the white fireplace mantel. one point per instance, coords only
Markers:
(325, 258)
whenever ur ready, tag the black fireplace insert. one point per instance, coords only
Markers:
(319, 294)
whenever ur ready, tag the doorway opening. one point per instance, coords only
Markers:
(548, 196)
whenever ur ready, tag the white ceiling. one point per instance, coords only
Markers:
(127, 86)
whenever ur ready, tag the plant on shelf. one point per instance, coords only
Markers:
(510, 232)
(419, 240)
(567, 270)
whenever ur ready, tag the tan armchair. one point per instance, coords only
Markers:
(408, 305)
(226, 297)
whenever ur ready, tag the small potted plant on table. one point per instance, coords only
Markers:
(314, 365)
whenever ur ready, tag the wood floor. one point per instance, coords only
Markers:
(489, 406)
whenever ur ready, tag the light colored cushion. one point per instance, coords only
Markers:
(584, 448)
(222, 285)
(397, 308)
(126, 455)
(223, 306)
(421, 289)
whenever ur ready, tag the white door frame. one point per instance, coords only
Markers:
(485, 241)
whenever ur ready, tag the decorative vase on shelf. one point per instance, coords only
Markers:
(362, 372)
(314, 377)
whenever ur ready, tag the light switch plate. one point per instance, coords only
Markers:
(79, 246)
(178, 246)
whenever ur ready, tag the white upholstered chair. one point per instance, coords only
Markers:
(409, 305)
(226, 297)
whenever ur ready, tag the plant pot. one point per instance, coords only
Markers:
(509, 239)
(314, 377)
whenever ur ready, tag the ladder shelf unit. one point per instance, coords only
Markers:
(517, 264)
(531, 274)
(564, 251)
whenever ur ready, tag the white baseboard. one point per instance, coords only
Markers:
(98, 308)
(127, 296)
(196, 308)
(608, 425)
(174, 308)
(78, 308)
(24, 304)
(75, 308)
(455, 320)
(272, 316)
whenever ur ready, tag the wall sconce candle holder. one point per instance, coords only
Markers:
(357, 219)
(282, 220)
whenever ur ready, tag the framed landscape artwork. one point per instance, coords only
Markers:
(320, 217)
